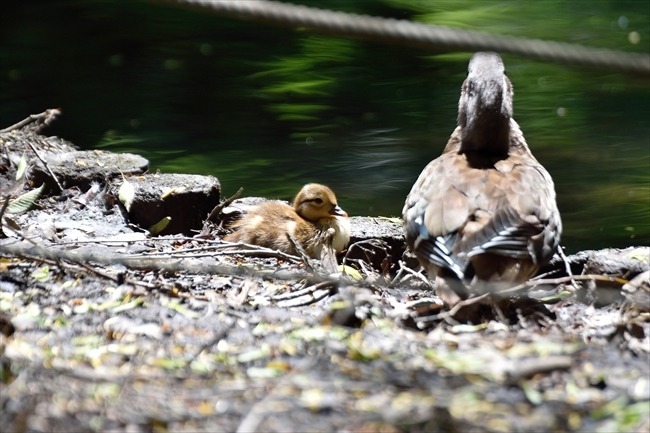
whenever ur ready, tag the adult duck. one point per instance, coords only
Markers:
(484, 212)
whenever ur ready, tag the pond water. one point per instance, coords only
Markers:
(270, 108)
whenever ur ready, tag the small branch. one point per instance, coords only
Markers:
(418, 275)
(5, 203)
(95, 271)
(561, 280)
(398, 277)
(298, 293)
(252, 250)
(218, 208)
(305, 296)
(43, 119)
(545, 274)
(567, 266)
(162, 264)
(530, 367)
(46, 166)
(453, 311)
(377, 243)
(301, 251)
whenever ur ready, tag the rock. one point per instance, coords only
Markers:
(81, 168)
(366, 231)
(609, 261)
(187, 199)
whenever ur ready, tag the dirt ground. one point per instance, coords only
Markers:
(107, 328)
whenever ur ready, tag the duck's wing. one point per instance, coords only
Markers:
(434, 214)
(455, 212)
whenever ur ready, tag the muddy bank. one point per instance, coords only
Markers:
(106, 327)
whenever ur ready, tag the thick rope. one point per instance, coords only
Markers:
(441, 39)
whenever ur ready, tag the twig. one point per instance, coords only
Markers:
(398, 277)
(218, 208)
(415, 274)
(561, 280)
(218, 245)
(363, 266)
(62, 263)
(298, 293)
(46, 166)
(530, 367)
(545, 274)
(5, 203)
(378, 243)
(148, 286)
(301, 251)
(306, 296)
(188, 253)
(502, 317)
(45, 119)
(307, 299)
(253, 250)
(453, 311)
(172, 265)
(91, 270)
(567, 267)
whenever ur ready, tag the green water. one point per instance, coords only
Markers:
(270, 108)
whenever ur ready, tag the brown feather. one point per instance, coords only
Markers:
(486, 193)
(312, 220)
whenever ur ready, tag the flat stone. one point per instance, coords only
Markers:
(608, 261)
(367, 229)
(186, 198)
(81, 168)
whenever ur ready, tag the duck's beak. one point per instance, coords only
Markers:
(338, 211)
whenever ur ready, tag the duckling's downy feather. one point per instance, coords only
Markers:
(313, 219)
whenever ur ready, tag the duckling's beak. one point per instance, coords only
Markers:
(338, 211)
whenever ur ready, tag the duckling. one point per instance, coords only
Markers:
(313, 217)
(483, 215)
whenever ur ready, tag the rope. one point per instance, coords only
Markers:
(439, 38)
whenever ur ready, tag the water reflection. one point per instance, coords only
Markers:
(374, 165)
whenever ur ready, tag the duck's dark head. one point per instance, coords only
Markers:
(485, 106)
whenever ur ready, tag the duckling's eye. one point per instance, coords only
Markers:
(318, 200)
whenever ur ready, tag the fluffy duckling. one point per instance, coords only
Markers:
(485, 210)
(313, 217)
